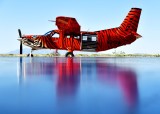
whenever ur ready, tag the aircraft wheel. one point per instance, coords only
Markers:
(69, 54)
(29, 55)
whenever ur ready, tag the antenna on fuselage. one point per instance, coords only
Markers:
(51, 20)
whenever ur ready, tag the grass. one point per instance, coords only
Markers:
(84, 55)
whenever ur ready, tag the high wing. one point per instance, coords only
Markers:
(68, 25)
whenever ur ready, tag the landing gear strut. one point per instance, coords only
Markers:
(30, 54)
(69, 54)
(56, 52)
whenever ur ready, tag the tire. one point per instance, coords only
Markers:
(69, 54)
(28, 55)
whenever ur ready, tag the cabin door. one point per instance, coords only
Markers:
(89, 42)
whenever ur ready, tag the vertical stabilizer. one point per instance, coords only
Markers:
(131, 21)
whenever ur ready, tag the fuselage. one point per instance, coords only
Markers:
(86, 41)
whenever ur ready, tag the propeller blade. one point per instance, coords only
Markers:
(21, 47)
(20, 34)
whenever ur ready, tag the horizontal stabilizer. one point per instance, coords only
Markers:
(136, 34)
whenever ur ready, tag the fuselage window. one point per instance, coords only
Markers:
(84, 37)
(89, 37)
(77, 37)
(94, 38)
(68, 36)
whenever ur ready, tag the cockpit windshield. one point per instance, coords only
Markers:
(48, 33)
(52, 34)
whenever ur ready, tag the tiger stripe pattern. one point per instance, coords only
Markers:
(125, 34)
(47, 42)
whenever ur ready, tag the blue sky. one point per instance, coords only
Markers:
(32, 16)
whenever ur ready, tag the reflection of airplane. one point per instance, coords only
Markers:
(125, 77)
(69, 36)
(68, 71)
(68, 77)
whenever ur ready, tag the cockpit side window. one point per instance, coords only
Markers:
(55, 35)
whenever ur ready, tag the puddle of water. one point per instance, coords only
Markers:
(79, 85)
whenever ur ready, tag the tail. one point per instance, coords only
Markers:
(131, 21)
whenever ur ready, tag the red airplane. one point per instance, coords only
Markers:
(69, 37)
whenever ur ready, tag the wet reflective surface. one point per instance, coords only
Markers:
(79, 85)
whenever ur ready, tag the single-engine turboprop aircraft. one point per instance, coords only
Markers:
(69, 37)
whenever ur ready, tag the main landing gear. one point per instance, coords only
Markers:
(69, 54)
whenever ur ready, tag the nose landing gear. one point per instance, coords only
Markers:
(30, 54)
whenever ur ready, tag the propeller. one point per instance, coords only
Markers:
(21, 48)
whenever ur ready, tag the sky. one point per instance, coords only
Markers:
(31, 16)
